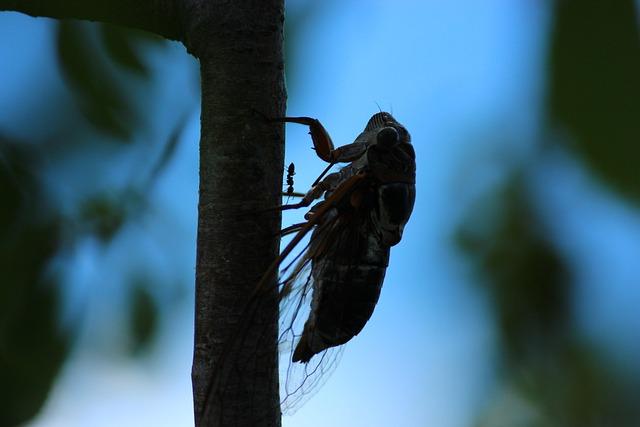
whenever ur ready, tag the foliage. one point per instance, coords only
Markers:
(102, 66)
(550, 375)
(32, 347)
(595, 86)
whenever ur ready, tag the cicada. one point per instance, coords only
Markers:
(362, 213)
(330, 289)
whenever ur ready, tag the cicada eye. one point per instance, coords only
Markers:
(388, 137)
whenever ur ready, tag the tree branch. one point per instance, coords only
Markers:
(240, 47)
(162, 17)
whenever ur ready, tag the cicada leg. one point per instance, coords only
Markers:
(294, 228)
(322, 142)
(292, 194)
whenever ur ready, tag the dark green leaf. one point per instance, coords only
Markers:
(120, 44)
(144, 318)
(526, 278)
(105, 214)
(100, 96)
(595, 86)
(169, 150)
(32, 347)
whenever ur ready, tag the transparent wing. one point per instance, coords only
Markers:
(330, 240)
(299, 381)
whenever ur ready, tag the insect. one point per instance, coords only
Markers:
(364, 208)
(291, 171)
(367, 204)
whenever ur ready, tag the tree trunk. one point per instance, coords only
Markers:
(239, 45)
(241, 164)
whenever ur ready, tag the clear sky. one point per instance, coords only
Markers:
(466, 78)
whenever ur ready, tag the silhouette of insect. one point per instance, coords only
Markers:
(291, 171)
(330, 289)
(366, 206)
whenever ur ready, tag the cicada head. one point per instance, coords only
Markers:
(385, 131)
(390, 155)
(382, 126)
(378, 121)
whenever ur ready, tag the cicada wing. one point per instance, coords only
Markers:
(295, 293)
(299, 381)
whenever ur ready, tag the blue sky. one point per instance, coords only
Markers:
(466, 78)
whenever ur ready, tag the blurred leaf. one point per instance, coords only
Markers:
(573, 388)
(120, 44)
(105, 214)
(144, 317)
(525, 276)
(16, 183)
(168, 151)
(101, 98)
(32, 349)
(579, 390)
(595, 86)
(549, 378)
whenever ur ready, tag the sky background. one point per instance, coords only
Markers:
(467, 79)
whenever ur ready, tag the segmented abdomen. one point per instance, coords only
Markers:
(346, 288)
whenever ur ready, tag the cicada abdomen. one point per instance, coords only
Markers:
(347, 275)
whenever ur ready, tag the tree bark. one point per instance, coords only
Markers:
(241, 164)
(239, 45)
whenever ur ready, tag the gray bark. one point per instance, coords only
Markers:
(241, 164)
(239, 45)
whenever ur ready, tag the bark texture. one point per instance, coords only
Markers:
(241, 164)
(239, 45)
